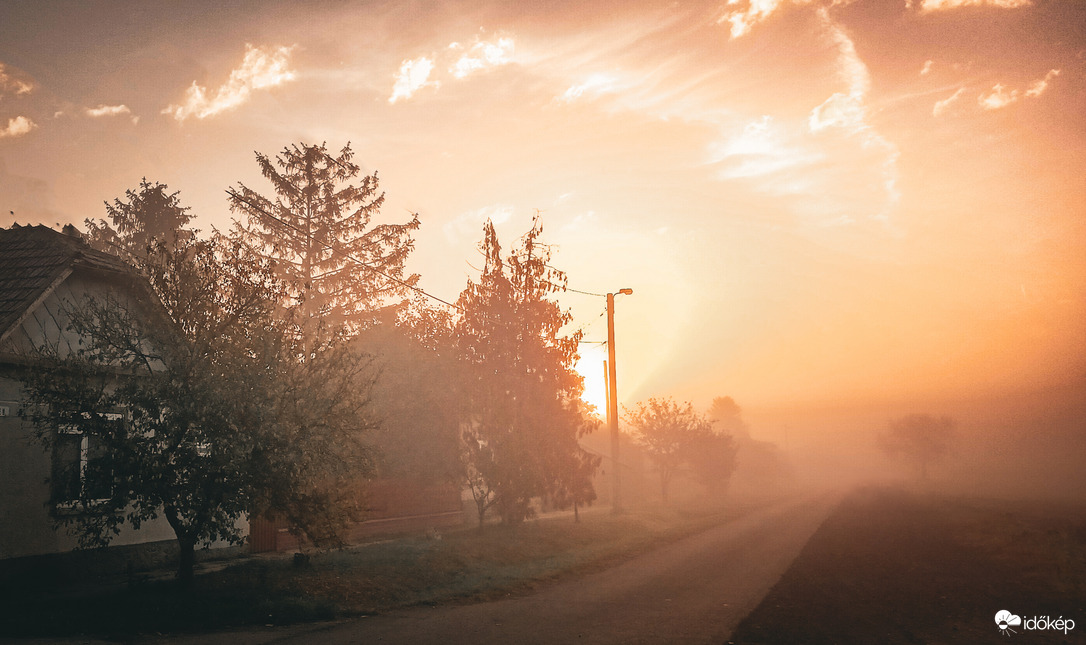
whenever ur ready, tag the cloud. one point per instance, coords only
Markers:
(17, 126)
(927, 6)
(761, 149)
(941, 107)
(927, 67)
(843, 110)
(262, 68)
(999, 97)
(595, 84)
(8, 83)
(482, 55)
(742, 20)
(416, 73)
(412, 77)
(1038, 87)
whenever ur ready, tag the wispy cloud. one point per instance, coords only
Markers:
(941, 107)
(262, 68)
(1038, 87)
(742, 15)
(460, 63)
(17, 126)
(10, 84)
(482, 54)
(594, 85)
(412, 77)
(110, 111)
(927, 6)
(999, 97)
(926, 69)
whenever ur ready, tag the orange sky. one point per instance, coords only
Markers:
(812, 199)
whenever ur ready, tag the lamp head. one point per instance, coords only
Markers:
(626, 292)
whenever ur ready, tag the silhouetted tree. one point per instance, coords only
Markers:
(522, 412)
(712, 458)
(921, 440)
(727, 417)
(338, 266)
(198, 406)
(148, 214)
(669, 432)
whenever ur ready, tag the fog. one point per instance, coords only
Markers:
(1026, 445)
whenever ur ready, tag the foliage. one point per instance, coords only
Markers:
(921, 440)
(675, 436)
(522, 413)
(219, 414)
(152, 213)
(337, 266)
(414, 398)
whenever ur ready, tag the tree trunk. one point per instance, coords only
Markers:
(186, 562)
(186, 557)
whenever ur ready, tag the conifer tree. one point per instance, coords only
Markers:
(339, 266)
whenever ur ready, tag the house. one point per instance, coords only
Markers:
(41, 271)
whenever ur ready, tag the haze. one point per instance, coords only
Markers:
(847, 201)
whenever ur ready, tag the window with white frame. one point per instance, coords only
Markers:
(82, 468)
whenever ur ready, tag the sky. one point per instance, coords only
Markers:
(812, 200)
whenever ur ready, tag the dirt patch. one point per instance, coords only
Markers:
(895, 567)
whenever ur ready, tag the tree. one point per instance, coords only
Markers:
(674, 436)
(727, 417)
(522, 414)
(414, 398)
(338, 267)
(198, 406)
(921, 440)
(712, 458)
(151, 213)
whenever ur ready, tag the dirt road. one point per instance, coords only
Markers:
(696, 590)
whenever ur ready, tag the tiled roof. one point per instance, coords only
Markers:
(33, 257)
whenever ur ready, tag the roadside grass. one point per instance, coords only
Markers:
(895, 567)
(463, 565)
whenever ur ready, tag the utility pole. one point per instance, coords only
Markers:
(612, 402)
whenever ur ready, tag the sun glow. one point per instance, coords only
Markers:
(591, 367)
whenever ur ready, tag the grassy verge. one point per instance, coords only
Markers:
(464, 565)
(893, 567)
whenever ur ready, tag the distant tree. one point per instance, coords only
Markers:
(575, 486)
(338, 266)
(194, 406)
(712, 458)
(921, 440)
(669, 432)
(522, 414)
(147, 214)
(727, 417)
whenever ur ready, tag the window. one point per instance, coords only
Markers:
(82, 468)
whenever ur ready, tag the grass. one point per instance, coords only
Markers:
(464, 565)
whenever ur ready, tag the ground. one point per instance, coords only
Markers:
(896, 567)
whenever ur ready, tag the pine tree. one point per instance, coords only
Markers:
(338, 265)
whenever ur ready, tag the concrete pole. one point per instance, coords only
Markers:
(612, 407)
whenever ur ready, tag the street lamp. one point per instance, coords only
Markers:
(612, 399)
